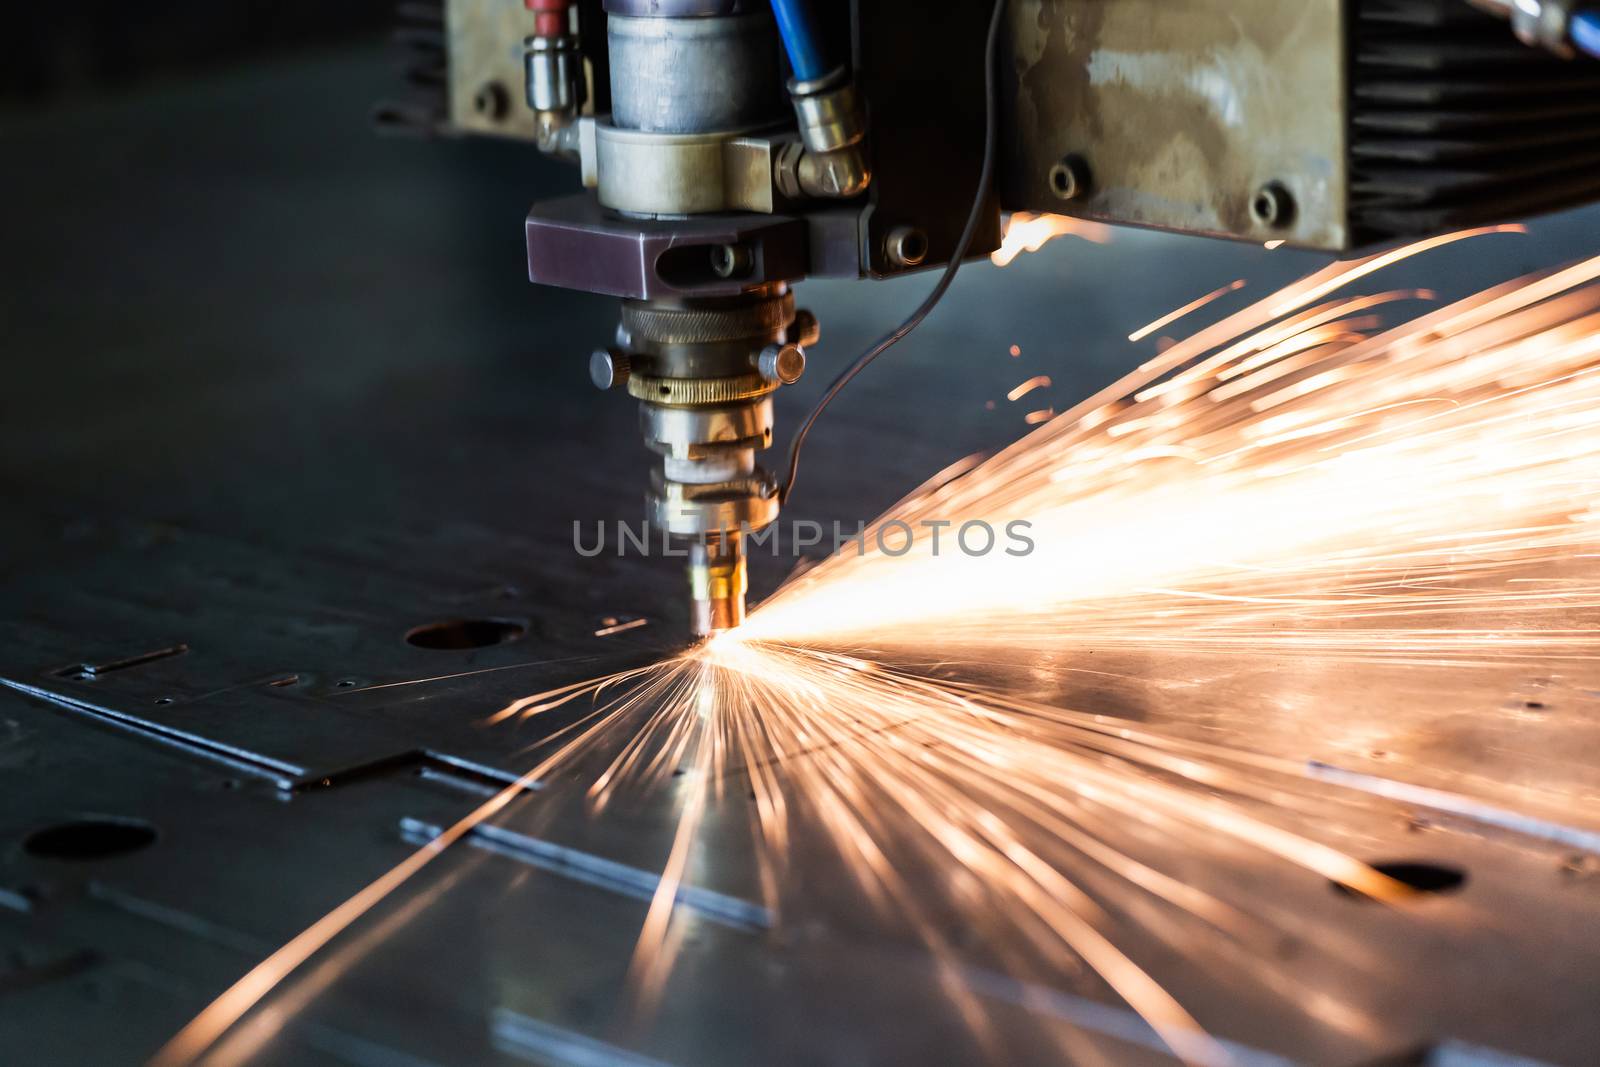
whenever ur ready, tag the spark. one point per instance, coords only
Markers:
(1304, 476)
(1187, 309)
(1034, 418)
(1026, 232)
(1038, 381)
(612, 626)
(1016, 350)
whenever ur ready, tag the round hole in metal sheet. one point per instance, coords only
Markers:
(1420, 875)
(456, 634)
(94, 838)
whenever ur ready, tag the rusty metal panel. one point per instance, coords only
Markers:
(486, 76)
(1181, 111)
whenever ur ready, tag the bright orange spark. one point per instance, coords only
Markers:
(1187, 309)
(1319, 456)
(1038, 381)
(1026, 232)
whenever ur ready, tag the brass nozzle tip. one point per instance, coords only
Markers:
(718, 582)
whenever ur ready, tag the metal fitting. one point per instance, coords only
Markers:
(554, 66)
(829, 112)
(837, 175)
(555, 92)
(718, 582)
(783, 364)
(906, 246)
(833, 129)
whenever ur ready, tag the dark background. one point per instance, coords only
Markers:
(51, 51)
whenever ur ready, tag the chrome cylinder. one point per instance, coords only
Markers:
(554, 75)
(694, 75)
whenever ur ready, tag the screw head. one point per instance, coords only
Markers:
(906, 246)
(782, 363)
(608, 368)
(1069, 178)
(1272, 205)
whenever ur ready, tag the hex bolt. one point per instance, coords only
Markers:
(805, 330)
(782, 363)
(1069, 178)
(1273, 205)
(608, 368)
(730, 261)
(906, 246)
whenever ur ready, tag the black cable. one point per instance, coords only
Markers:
(899, 333)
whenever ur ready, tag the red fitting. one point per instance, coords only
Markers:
(549, 17)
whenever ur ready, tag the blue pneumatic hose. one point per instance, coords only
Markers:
(802, 38)
(1584, 31)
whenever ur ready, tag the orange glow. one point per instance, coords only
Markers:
(1295, 455)
(1038, 381)
(1027, 232)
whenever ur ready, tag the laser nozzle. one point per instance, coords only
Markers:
(717, 584)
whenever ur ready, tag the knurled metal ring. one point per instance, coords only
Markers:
(698, 390)
(668, 326)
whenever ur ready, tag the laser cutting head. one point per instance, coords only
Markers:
(729, 160)
(691, 166)
(704, 371)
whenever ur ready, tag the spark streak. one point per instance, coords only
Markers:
(1188, 309)
(1038, 381)
(1291, 481)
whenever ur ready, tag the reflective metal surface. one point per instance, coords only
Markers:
(291, 490)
